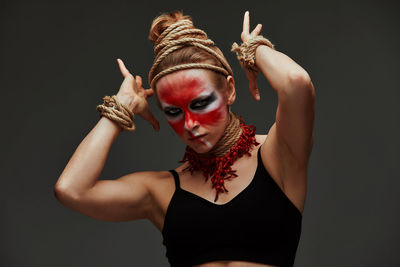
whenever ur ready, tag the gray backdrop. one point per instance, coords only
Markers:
(58, 59)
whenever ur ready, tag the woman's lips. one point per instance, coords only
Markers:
(197, 137)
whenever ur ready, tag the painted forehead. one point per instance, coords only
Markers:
(183, 86)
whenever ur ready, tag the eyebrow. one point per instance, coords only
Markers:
(202, 97)
(199, 98)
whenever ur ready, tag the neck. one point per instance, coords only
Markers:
(238, 139)
(228, 139)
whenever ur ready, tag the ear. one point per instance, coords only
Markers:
(230, 90)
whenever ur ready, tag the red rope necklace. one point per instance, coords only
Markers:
(219, 168)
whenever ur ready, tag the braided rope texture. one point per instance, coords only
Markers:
(219, 168)
(229, 138)
(247, 50)
(117, 112)
(167, 43)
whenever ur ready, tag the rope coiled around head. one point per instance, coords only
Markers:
(167, 43)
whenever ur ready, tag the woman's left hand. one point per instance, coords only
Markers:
(251, 75)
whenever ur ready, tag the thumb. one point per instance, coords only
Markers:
(149, 92)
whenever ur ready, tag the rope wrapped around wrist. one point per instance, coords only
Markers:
(246, 52)
(117, 112)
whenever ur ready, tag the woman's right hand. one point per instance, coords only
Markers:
(133, 96)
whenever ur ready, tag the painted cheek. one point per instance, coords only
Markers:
(179, 98)
(205, 119)
(178, 126)
(182, 98)
(213, 116)
(210, 118)
(187, 122)
(190, 118)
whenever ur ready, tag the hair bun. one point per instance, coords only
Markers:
(163, 21)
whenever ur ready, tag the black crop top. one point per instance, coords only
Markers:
(260, 225)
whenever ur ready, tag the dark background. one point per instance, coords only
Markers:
(58, 59)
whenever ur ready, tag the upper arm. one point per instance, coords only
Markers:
(295, 117)
(123, 199)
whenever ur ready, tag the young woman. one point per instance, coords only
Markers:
(238, 197)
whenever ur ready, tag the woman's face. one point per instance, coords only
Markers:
(195, 109)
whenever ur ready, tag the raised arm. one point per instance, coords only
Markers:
(296, 97)
(293, 130)
(78, 187)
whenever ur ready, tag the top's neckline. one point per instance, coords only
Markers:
(210, 203)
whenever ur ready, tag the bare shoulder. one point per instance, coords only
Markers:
(261, 138)
(279, 158)
(161, 187)
(155, 182)
(269, 159)
(284, 169)
(145, 179)
(149, 178)
(126, 198)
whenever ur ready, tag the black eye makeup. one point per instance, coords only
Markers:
(202, 102)
(172, 111)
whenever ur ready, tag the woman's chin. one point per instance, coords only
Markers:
(200, 148)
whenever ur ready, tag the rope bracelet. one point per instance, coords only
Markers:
(117, 112)
(247, 50)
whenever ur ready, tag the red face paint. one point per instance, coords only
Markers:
(191, 103)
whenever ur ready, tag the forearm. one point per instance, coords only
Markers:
(87, 162)
(279, 69)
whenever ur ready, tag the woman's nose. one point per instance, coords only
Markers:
(190, 122)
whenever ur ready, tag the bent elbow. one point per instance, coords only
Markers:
(64, 194)
(299, 77)
(300, 83)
